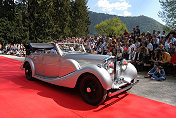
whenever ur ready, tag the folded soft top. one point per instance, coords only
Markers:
(31, 47)
(41, 45)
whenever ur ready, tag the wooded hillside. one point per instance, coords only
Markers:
(145, 23)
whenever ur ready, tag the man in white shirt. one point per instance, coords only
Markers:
(149, 46)
(164, 34)
(132, 45)
(156, 42)
(158, 35)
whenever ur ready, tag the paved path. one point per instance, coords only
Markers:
(164, 91)
(14, 57)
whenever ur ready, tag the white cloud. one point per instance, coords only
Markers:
(119, 14)
(126, 13)
(113, 8)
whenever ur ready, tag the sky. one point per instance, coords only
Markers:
(148, 8)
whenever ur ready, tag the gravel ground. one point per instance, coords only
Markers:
(162, 91)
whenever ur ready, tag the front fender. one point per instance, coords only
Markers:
(130, 73)
(102, 75)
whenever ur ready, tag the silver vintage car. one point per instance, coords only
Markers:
(68, 65)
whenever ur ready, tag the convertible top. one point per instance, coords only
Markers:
(31, 47)
(41, 45)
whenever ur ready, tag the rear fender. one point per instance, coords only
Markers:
(28, 60)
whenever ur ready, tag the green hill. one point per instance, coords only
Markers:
(145, 23)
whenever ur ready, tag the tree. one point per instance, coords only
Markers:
(40, 20)
(52, 19)
(7, 9)
(7, 25)
(113, 25)
(168, 13)
(80, 18)
(61, 19)
(5, 33)
(23, 21)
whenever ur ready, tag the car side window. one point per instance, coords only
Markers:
(39, 51)
(51, 51)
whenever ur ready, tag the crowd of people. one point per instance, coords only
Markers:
(15, 49)
(141, 49)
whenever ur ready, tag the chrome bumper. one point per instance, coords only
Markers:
(110, 94)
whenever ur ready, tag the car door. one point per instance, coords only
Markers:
(38, 62)
(51, 65)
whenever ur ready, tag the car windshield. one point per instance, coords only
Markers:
(71, 47)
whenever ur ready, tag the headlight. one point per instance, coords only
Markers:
(124, 62)
(109, 65)
(124, 67)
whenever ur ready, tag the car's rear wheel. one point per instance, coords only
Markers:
(28, 72)
(92, 91)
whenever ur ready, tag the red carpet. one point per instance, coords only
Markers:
(20, 98)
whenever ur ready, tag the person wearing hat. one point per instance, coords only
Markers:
(159, 75)
(125, 55)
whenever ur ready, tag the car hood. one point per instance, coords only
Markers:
(86, 56)
(85, 59)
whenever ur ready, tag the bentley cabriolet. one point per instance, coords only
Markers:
(68, 65)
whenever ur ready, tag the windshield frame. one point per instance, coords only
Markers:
(71, 49)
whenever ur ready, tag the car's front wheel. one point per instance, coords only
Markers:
(28, 72)
(92, 91)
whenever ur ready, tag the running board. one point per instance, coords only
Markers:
(44, 77)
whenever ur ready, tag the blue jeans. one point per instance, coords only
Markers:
(158, 78)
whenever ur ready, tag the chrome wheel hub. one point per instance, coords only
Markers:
(88, 90)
